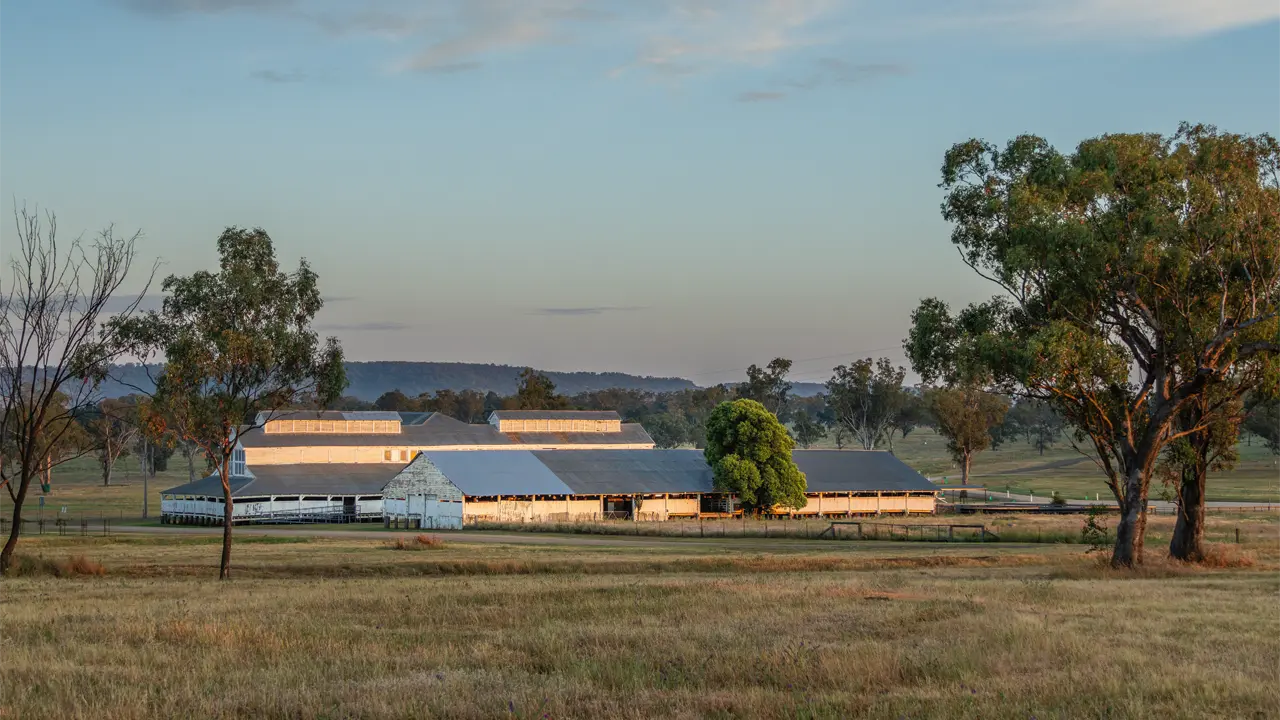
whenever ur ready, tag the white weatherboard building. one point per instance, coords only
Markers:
(522, 466)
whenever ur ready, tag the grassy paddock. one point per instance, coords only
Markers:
(347, 627)
(1021, 528)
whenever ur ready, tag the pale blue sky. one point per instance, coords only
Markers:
(657, 186)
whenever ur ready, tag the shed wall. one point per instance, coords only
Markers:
(422, 478)
(571, 510)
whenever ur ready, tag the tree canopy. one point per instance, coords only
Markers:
(1134, 273)
(867, 397)
(750, 452)
(536, 392)
(239, 347)
(768, 386)
(965, 416)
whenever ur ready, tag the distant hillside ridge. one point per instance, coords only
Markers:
(368, 380)
(808, 389)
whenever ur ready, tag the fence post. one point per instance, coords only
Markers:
(1237, 536)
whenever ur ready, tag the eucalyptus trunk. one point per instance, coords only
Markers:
(1131, 530)
(1188, 532)
(107, 462)
(224, 470)
(15, 528)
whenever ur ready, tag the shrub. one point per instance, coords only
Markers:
(1094, 531)
(27, 566)
(419, 542)
(1224, 555)
(1058, 500)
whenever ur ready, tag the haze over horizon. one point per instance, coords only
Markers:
(670, 188)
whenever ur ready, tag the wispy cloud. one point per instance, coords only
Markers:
(339, 298)
(372, 326)
(275, 76)
(828, 71)
(589, 310)
(1151, 18)
(699, 35)
(679, 38)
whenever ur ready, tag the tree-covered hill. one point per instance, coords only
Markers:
(371, 379)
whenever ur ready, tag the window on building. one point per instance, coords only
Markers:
(238, 463)
(386, 455)
(404, 456)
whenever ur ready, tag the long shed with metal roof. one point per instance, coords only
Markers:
(449, 488)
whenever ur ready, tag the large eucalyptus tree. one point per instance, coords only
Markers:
(1138, 273)
(238, 347)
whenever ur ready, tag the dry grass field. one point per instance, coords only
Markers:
(638, 627)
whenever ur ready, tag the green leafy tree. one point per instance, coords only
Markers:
(113, 431)
(393, 400)
(913, 413)
(750, 452)
(239, 348)
(866, 397)
(1263, 420)
(808, 430)
(537, 392)
(154, 445)
(965, 417)
(696, 406)
(768, 386)
(470, 406)
(1135, 273)
(668, 430)
(1036, 422)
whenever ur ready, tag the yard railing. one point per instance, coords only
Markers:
(896, 531)
(322, 514)
(62, 526)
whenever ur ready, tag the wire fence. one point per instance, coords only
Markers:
(61, 525)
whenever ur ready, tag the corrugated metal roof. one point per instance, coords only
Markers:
(498, 472)
(371, 415)
(441, 430)
(556, 415)
(630, 434)
(605, 472)
(332, 415)
(436, 430)
(309, 479)
(858, 471)
(210, 486)
(322, 479)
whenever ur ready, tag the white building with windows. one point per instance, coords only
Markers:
(521, 466)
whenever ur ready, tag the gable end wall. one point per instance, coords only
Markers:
(421, 477)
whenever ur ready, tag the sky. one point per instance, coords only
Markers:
(662, 187)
